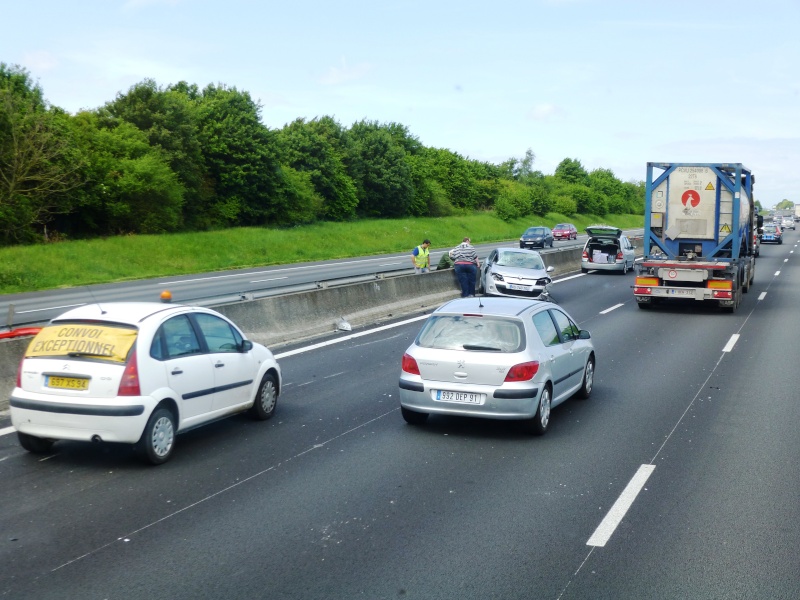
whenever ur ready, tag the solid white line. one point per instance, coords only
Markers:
(608, 310)
(762, 295)
(349, 337)
(731, 343)
(20, 312)
(263, 280)
(7, 430)
(614, 517)
(785, 260)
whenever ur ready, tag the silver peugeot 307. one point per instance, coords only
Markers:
(496, 358)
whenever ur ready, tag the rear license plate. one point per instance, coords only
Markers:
(459, 397)
(521, 288)
(768, 238)
(67, 383)
(674, 292)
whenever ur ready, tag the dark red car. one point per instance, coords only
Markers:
(565, 231)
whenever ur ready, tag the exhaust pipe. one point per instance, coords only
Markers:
(96, 438)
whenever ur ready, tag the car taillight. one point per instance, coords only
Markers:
(619, 255)
(129, 386)
(585, 254)
(410, 365)
(19, 373)
(523, 371)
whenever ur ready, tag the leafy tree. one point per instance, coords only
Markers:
(571, 170)
(380, 171)
(513, 201)
(240, 158)
(38, 160)
(129, 185)
(169, 119)
(315, 147)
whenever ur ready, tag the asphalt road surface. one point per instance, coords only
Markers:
(677, 479)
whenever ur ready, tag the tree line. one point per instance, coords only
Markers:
(160, 159)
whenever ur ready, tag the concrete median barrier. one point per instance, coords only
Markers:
(280, 320)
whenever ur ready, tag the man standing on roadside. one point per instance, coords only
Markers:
(421, 257)
(466, 266)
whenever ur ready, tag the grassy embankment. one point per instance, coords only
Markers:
(75, 263)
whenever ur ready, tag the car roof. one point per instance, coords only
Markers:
(131, 313)
(491, 306)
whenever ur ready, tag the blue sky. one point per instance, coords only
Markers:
(612, 83)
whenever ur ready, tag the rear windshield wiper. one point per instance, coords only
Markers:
(487, 348)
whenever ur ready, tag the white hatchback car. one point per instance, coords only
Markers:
(140, 373)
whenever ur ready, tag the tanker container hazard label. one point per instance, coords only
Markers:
(692, 203)
(110, 343)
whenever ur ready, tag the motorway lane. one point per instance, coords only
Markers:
(343, 499)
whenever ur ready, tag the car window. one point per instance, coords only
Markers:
(546, 328)
(179, 338)
(565, 326)
(535, 231)
(464, 332)
(79, 339)
(219, 335)
(522, 260)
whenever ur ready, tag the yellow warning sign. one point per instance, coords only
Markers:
(710, 186)
(725, 228)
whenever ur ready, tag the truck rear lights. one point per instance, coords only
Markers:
(642, 290)
(722, 294)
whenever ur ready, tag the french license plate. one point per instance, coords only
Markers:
(768, 238)
(522, 288)
(67, 383)
(460, 397)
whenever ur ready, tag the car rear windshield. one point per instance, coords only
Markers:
(477, 333)
(83, 339)
(535, 231)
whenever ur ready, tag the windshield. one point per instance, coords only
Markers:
(461, 332)
(521, 260)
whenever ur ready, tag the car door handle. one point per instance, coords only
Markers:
(219, 364)
(177, 371)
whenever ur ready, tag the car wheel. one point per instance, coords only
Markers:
(551, 243)
(158, 439)
(266, 398)
(624, 267)
(538, 425)
(584, 270)
(413, 417)
(34, 444)
(588, 379)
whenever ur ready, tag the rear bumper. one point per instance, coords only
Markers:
(501, 403)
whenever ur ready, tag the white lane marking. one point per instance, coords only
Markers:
(7, 430)
(49, 308)
(569, 277)
(349, 337)
(731, 343)
(271, 279)
(762, 295)
(785, 260)
(777, 273)
(608, 310)
(614, 517)
(389, 264)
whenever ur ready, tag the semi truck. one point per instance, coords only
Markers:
(700, 234)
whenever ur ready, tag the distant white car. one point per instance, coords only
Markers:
(788, 223)
(138, 373)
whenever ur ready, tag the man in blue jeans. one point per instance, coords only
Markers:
(466, 265)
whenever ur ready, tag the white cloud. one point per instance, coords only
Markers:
(345, 73)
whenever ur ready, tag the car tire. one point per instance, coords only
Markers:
(624, 268)
(588, 379)
(551, 243)
(584, 270)
(538, 424)
(413, 417)
(266, 398)
(158, 438)
(34, 444)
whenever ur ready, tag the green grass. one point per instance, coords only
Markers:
(76, 263)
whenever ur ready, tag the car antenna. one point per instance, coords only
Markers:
(102, 312)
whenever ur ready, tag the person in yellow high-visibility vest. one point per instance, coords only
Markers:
(421, 257)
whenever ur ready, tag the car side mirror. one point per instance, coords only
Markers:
(550, 269)
(246, 346)
(584, 335)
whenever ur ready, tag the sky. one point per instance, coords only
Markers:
(614, 84)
